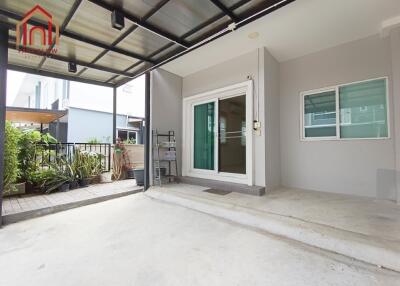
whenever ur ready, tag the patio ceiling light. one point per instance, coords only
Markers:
(72, 67)
(253, 35)
(117, 20)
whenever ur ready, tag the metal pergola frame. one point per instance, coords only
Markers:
(180, 45)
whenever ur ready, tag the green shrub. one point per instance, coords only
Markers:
(28, 149)
(11, 170)
(93, 141)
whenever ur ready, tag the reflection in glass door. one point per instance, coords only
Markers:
(232, 135)
(204, 136)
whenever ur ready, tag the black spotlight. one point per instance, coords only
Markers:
(72, 67)
(117, 20)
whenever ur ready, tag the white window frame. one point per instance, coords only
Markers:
(336, 89)
(128, 131)
(244, 88)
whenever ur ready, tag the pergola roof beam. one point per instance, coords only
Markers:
(71, 13)
(127, 33)
(266, 7)
(25, 69)
(143, 24)
(189, 33)
(224, 9)
(80, 63)
(80, 38)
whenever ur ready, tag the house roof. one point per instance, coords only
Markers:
(155, 33)
(31, 115)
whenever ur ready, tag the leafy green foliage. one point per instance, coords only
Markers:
(11, 170)
(48, 139)
(86, 164)
(130, 141)
(28, 150)
(93, 141)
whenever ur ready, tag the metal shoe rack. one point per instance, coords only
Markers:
(165, 166)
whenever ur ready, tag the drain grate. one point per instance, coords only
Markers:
(217, 192)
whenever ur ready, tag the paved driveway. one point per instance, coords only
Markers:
(138, 241)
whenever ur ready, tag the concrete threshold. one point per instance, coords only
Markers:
(24, 215)
(372, 250)
(224, 186)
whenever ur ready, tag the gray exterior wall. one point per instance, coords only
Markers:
(166, 106)
(84, 125)
(395, 52)
(232, 72)
(357, 167)
(272, 130)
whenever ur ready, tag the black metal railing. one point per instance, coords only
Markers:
(58, 153)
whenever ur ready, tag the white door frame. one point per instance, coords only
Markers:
(243, 88)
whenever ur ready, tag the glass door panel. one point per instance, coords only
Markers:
(204, 116)
(232, 135)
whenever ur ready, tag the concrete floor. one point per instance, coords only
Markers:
(375, 218)
(139, 241)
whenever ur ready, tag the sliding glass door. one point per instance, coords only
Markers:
(219, 135)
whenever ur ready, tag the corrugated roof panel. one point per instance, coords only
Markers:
(136, 7)
(142, 42)
(140, 67)
(76, 50)
(53, 65)
(180, 16)
(229, 3)
(164, 52)
(23, 59)
(116, 61)
(95, 22)
(96, 75)
(246, 7)
(223, 22)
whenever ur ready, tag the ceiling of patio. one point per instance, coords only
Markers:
(155, 31)
(301, 28)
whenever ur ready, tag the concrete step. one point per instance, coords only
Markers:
(224, 186)
(379, 252)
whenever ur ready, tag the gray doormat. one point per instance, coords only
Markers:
(217, 192)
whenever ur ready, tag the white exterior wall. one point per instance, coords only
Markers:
(357, 167)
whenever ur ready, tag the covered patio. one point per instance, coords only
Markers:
(109, 44)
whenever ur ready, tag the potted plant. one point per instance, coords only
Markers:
(119, 160)
(72, 176)
(81, 167)
(52, 179)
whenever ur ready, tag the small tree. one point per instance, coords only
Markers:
(11, 170)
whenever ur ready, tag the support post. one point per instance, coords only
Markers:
(114, 114)
(3, 97)
(147, 134)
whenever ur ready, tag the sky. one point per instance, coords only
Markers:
(14, 81)
(130, 97)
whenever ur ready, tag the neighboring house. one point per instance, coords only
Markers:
(89, 109)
